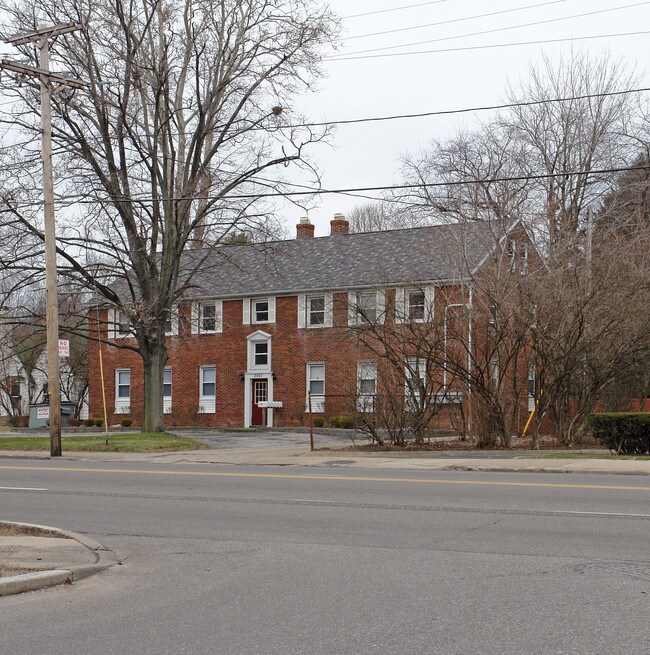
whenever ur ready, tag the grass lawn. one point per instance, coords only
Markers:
(592, 456)
(117, 443)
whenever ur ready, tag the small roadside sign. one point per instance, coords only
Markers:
(64, 348)
(42, 412)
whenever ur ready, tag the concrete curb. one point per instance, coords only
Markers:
(16, 584)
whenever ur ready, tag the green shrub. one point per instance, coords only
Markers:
(74, 422)
(625, 433)
(345, 422)
(99, 422)
(126, 422)
(89, 422)
(318, 421)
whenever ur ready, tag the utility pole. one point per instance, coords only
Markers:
(49, 83)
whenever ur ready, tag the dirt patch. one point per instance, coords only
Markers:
(12, 530)
(7, 571)
(544, 443)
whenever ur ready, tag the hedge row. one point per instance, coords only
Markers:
(625, 433)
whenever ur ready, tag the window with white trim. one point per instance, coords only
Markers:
(523, 258)
(258, 310)
(207, 317)
(207, 389)
(414, 305)
(122, 390)
(366, 386)
(167, 390)
(512, 254)
(261, 354)
(495, 374)
(315, 311)
(316, 387)
(119, 325)
(171, 322)
(366, 306)
(415, 381)
(259, 351)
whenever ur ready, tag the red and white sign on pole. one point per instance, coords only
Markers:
(64, 348)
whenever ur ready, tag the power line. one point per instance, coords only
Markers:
(442, 112)
(318, 192)
(385, 11)
(490, 46)
(466, 110)
(502, 29)
(455, 20)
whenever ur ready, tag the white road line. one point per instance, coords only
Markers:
(311, 500)
(636, 516)
(21, 489)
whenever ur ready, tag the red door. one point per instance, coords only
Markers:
(259, 395)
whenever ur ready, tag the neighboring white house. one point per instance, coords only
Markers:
(16, 390)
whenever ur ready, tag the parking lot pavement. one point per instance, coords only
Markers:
(255, 439)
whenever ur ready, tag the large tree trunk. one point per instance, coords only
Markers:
(154, 358)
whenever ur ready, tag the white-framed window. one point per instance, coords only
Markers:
(315, 311)
(532, 387)
(258, 310)
(171, 322)
(259, 351)
(366, 307)
(207, 317)
(366, 386)
(512, 254)
(415, 381)
(167, 390)
(523, 258)
(414, 305)
(495, 374)
(119, 326)
(261, 354)
(207, 389)
(316, 386)
(122, 390)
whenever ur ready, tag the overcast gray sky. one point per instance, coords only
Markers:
(368, 154)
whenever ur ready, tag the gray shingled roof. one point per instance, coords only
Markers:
(344, 261)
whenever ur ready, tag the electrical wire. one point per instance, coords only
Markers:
(456, 20)
(502, 29)
(319, 192)
(442, 112)
(489, 46)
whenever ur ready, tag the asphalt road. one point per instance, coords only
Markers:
(226, 560)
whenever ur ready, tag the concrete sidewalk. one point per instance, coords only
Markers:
(299, 455)
(35, 556)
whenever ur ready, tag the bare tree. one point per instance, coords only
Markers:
(579, 135)
(188, 106)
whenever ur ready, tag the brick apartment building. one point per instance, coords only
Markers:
(267, 325)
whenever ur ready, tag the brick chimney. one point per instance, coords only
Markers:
(304, 229)
(339, 225)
